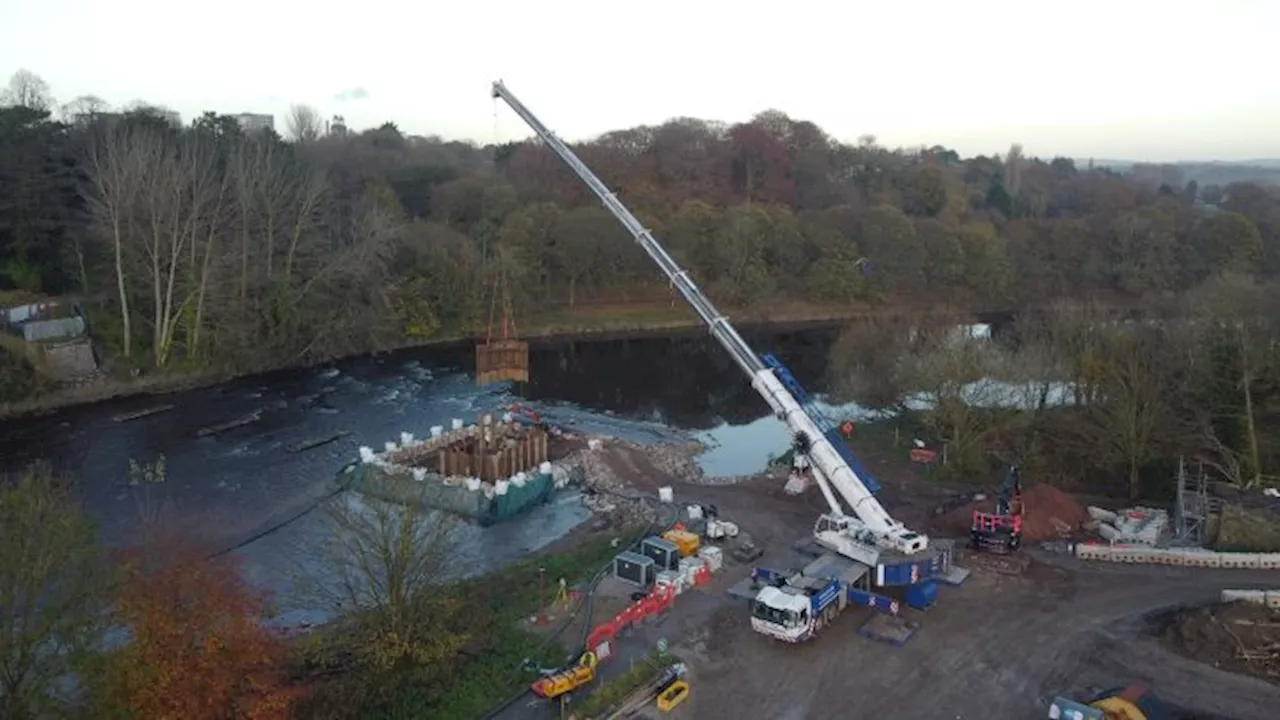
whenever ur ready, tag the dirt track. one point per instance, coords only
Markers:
(997, 647)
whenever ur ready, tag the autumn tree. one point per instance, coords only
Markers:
(926, 192)
(866, 362)
(51, 594)
(888, 238)
(1227, 242)
(196, 645)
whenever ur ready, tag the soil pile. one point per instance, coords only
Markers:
(1048, 514)
(1239, 637)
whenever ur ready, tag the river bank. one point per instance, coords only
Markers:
(597, 322)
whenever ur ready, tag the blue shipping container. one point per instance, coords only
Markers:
(922, 596)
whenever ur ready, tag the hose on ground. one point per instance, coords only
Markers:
(587, 601)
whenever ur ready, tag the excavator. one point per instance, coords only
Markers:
(1129, 703)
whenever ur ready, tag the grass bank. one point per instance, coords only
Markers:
(491, 669)
(558, 324)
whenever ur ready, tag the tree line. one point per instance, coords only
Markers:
(206, 245)
(1089, 399)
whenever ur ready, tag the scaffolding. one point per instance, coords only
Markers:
(1191, 513)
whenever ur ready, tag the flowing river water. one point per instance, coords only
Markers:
(227, 487)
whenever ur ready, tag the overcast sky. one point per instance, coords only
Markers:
(1128, 79)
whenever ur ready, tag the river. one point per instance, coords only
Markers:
(226, 487)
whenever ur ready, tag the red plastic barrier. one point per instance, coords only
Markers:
(651, 604)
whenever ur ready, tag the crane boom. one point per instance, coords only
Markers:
(873, 526)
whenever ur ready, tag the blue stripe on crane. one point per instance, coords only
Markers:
(829, 428)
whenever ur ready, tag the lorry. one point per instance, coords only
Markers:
(794, 606)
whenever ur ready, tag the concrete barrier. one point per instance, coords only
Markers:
(1257, 597)
(1176, 557)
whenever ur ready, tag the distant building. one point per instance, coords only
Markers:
(337, 126)
(252, 122)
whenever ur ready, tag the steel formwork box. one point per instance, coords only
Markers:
(634, 568)
(502, 360)
(665, 553)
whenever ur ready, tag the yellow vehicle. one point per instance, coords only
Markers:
(553, 686)
(673, 695)
(1130, 703)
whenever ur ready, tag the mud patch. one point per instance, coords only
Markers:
(1238, 637)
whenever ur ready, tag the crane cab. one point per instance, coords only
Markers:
(848, 537)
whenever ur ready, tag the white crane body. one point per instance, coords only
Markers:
(870, 535)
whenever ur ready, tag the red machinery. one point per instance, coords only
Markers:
(1000, 532)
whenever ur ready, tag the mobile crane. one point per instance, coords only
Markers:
(870, 536)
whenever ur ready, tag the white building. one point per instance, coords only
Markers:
(251, 122)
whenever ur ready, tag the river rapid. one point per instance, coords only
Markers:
(225, 488)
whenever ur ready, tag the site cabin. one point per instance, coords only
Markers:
(793, 607)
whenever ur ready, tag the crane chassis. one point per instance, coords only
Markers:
(893, 554)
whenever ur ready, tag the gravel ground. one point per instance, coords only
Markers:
(999, 646)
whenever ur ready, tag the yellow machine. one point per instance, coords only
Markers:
(1131, 703)
(671, 697)
(688, 542)
(553, 686)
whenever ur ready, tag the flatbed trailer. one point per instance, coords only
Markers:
(795, 606)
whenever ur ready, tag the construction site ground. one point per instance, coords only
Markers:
(1002, 645)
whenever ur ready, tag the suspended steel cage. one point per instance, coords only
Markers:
(505, 358)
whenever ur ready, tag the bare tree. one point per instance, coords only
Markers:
(1235, 311)
(951, 376)
(119, 159)
(29, 90)
(385, 567)
(304, 123)
(83, 107)
(1137, 410)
